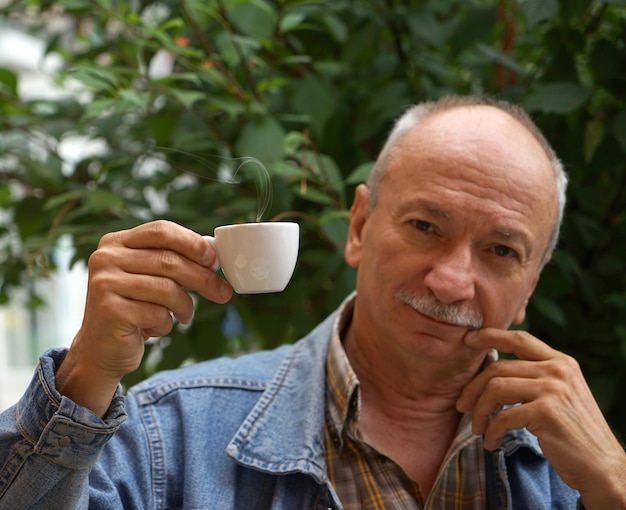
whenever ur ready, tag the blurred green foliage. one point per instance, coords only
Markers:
(310, 88)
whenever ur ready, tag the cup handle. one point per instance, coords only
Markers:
(211, 240)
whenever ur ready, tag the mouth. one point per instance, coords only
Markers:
(437, 321)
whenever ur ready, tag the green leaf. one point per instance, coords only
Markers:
(72, 5)
(496, 56)
(98, 201)
(594, 133)
(256, 18)
(336, 27)
(60, 200)
(188, 97)
(133, 100)
(604, 63)
(296, 59)
(262, 138)
(294, 141)
(284, 169)
(291, 21)
(560, 98)
(566, 262)
(323, 169)
(360, 173)
(619, 128)
(536, 11)
(331, 173)
(313, 97)
(424, 27)
(392, 97)
(99, 107)
(588, 229)
(97, 78)
(226, 104)
(334, 224)
(312, 195)
(475, 26)
(8, 81)
(550, 310)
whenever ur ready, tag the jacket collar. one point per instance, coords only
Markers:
(284, 431)
(269, 441)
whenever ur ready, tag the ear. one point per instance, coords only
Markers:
(359, 213)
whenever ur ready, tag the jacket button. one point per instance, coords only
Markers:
(64, 442)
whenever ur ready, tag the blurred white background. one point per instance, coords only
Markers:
(24, 333)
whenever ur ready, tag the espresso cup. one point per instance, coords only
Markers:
(256, 257)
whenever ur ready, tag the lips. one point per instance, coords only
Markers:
(435, 320)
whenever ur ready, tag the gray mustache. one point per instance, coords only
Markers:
(452, 313)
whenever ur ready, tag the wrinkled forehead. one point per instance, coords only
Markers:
(478, 134)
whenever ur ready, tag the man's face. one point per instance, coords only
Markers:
(455, 241)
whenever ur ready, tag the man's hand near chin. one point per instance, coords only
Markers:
(548, 396)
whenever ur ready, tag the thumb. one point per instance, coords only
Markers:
(471, 339)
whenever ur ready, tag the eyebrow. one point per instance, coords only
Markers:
(426, 206)
(515, 236)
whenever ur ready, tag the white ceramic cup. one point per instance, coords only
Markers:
(256, 257)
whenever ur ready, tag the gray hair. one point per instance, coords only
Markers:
(418, 113)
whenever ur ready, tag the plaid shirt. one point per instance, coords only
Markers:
(364, 478)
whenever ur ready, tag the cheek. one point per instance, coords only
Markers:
(383, 263)
(506, 307)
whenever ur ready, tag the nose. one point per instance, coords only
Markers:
(452, 276)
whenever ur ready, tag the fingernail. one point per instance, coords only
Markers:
(188, 321)
(460, 406)
(225, 291)
(209, 258)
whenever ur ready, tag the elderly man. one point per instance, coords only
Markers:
(397, 400)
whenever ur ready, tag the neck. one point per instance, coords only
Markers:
(408, 404)
(392, 378)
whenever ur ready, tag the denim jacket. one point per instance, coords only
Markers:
(243, 433)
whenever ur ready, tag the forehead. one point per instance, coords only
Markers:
(476, 139)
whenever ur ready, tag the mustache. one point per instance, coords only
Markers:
(452, 313)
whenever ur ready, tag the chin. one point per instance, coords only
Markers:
(446, 346)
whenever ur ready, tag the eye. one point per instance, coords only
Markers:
(424, 226)
(504, 251)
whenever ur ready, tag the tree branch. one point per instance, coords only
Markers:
(208, 48)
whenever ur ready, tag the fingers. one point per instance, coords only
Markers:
(497, 381)
(127, 318)
(539, 375)
(511, 418)
(499, 391)
(160, 275)
(520, 343)
(167, 250)
(133, 289)
(164, 235)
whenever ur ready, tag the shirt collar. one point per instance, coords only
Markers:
(342, 384)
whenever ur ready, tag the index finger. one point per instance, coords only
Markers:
(517, 342)
(163, 234)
